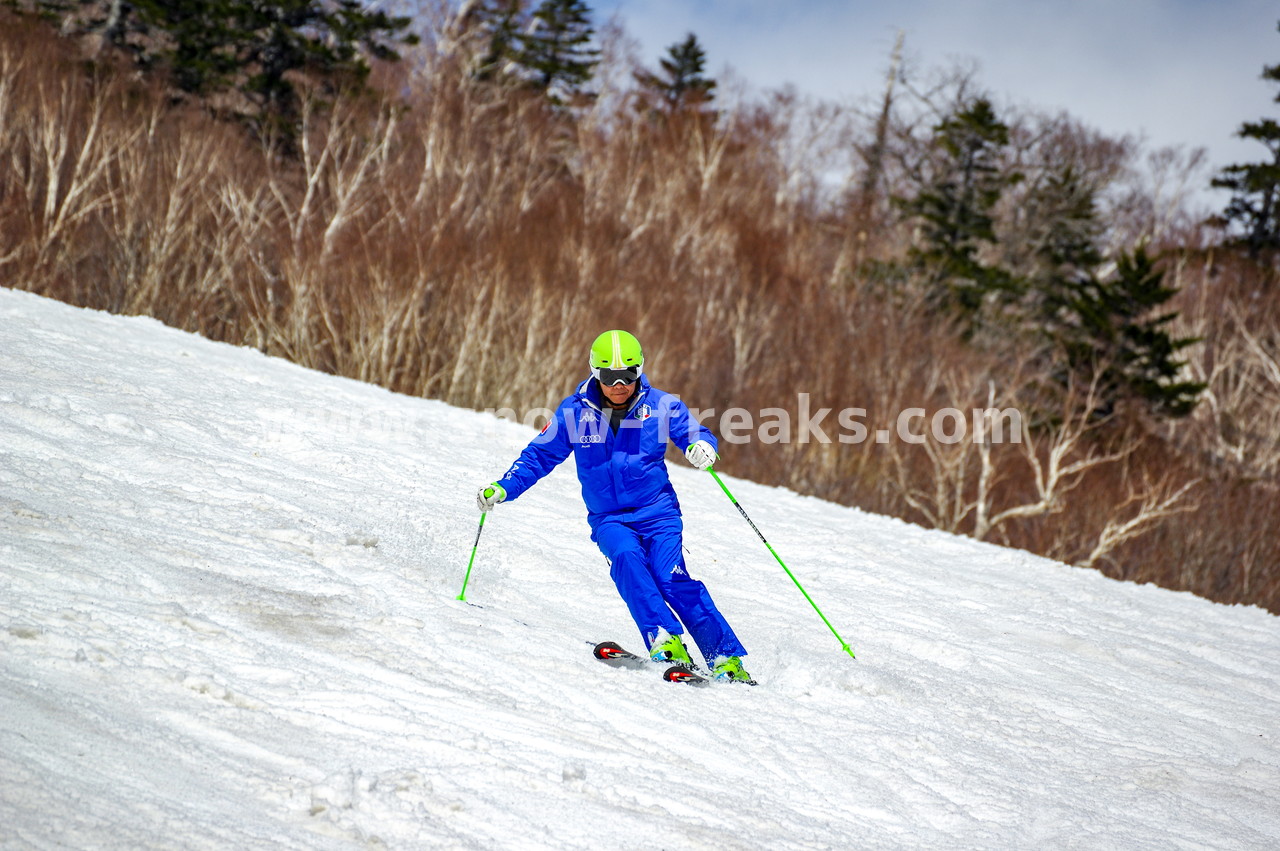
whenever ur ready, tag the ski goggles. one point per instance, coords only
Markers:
(612, 377)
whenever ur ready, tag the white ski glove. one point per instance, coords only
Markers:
(490, 495)
(700, 454)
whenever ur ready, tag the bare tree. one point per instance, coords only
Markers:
(1151, 503)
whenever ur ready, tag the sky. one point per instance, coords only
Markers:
(1174, 72)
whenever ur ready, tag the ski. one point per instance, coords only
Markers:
(681, 674)
(614, 655)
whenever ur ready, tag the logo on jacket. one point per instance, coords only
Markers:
(644, 412)
(678, 570)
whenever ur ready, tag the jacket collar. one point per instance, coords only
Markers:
(589, 392)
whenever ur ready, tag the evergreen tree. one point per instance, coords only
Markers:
(204, 43)
(548, 49)
(1255, 201)
(499, 23)
(682, 83)
(1109, 328)
(1065, 245)
(1116, 326)
(1255, 187)
(955, 210)
(247, 45)
(558, 48)
(111, 20)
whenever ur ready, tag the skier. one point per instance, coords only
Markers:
(617, 426)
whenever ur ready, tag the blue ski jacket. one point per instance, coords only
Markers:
(622, 473)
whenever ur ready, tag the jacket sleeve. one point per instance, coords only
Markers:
(685, 429)
(543, 454)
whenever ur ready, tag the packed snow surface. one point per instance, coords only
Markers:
(229, 619)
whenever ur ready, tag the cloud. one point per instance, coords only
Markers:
(1179, 72)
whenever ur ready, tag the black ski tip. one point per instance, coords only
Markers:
(681, 674)
(607, 649)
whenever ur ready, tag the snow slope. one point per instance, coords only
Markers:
(228, 620)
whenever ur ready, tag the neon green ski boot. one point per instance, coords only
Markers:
(669, 648)
(730, 668)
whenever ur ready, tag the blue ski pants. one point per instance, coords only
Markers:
(646, 563)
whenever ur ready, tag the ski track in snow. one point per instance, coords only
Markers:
(228, 620)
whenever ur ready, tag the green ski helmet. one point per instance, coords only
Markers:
(616, 358)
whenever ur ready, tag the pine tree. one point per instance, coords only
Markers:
(955, 211)
(1065, 243)
(1255, 202)
(682, 83)
(549, 49)
(204, 42)
(558, 49)
(499, 23)
(1115, 326)
(1109, 328)
(1255, 187)
(250, 46)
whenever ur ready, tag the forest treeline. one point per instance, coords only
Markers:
(453, 205)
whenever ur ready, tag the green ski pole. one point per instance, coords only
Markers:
(843, 644)
(462, 595)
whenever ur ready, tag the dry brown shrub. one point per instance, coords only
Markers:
(464, 242)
